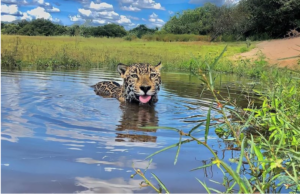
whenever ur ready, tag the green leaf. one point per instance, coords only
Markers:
(241, 157)
(204, 185)
(200, 167)
(207, 123)
(166, 148)
(218, 58)
(194, 128)
(276, 163)
(160, 127)
(148, 166)
(259, 155)
(177, 153)
(160, 183)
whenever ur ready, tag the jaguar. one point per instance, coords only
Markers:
(141, 83)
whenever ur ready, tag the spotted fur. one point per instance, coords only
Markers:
(138, 79)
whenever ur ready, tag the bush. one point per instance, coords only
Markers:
(175, 37)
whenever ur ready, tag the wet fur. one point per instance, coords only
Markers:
(134, 77)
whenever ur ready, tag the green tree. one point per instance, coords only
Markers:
(141, 30)
(273, 17)
(10, 29)
(114, 30)
(197, 21)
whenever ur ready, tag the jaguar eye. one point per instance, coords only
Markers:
(134, 76)
(152, 75)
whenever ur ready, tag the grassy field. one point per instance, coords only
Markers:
(269, 154)
(86, 52)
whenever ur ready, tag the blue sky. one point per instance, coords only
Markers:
(128, 13)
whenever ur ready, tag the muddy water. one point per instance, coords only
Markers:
(58, 136)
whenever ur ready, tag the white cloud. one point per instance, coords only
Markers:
(26, 17)
(8, 18)
(130, 8)
(170, 12)
(40, 12)
(155, 21)
(107, 15)
(18, 2)
(76, 18)
(41, 2)
(12, 14)
(85, 12)
(10, 9)
(53, 9)
(124, 20)
(101, 6)
(46, 5)
(90, 14)
(101, 13)
(99, 21)
(137, 5)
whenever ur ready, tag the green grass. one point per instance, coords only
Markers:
(175, 37)
(68, 52)
(269, 155)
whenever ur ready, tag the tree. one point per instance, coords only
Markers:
(114, 30)
(197, 21)
(10, 29)
(141, 30)
(274, 17)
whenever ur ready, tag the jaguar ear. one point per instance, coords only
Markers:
(122, 69)
(158, 66)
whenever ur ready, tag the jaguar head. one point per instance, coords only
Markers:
(141, 82)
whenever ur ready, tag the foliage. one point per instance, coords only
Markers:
(274, 17)
(165, 37)
(141, 30)
(254, 19)
(270, 156)
(42, 27)
(198, 21)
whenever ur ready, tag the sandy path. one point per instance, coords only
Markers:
(275, 50)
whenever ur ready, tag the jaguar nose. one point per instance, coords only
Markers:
(145, 88)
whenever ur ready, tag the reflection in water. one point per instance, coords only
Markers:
(116, 185)
(133, 117)
(58, 136)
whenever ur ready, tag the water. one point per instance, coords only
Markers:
(58, 136)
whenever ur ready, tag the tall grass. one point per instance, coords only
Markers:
(175, 37)
(269, 152)
(79, 52)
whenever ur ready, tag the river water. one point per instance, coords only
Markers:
(58, 136)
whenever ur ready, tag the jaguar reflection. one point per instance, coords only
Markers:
(133, 118)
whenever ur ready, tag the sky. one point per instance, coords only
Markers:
(128, 13)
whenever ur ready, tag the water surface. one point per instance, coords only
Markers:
(58, 136)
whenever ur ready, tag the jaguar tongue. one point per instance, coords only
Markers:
(145, 98)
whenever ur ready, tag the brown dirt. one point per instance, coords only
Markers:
(275, 52)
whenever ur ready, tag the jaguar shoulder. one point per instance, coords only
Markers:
(141, 83)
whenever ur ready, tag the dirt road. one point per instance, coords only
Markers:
(276, 51)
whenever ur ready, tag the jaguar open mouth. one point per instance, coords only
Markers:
(144, 98)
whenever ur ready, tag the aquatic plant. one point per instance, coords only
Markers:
(267, 136)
